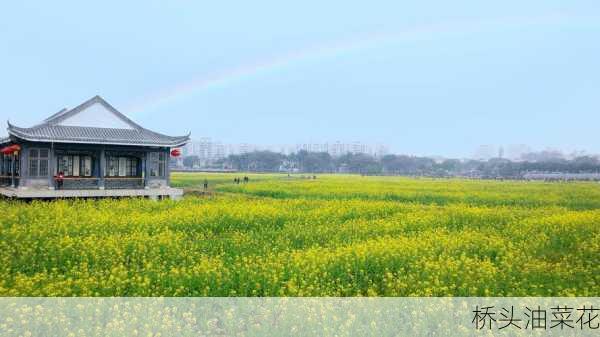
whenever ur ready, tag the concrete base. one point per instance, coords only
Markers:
(154, 193)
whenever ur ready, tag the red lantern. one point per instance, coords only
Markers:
(176, 152)
(11, 149)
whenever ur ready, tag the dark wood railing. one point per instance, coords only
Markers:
(78, 183)
(7, 181)
(116, 183)
(93, 183)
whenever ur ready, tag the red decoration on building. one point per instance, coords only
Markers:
(176, 152)
(11, 149)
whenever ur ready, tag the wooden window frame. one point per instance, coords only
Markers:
(158, 164)
(36, 161)
(129, 163)
(71, 161)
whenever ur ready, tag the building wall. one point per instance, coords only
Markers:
(27, 181)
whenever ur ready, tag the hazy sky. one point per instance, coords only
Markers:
(431, 77)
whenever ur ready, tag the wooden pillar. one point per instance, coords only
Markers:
(144, 167)
(12, 171)
(102, 169)
(51, 167)
(168, 167)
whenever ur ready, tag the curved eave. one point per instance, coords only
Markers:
(181, 141)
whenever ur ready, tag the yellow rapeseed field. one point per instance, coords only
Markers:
(294, 236)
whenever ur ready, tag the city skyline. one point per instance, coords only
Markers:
(211, 150)
(208, 150)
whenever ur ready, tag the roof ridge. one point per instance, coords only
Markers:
(56, 115)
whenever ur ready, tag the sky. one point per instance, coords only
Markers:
(425, 77)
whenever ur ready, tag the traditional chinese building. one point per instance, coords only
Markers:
(92, 150)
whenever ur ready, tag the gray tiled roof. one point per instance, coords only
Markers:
(76, 134)
(49, 131)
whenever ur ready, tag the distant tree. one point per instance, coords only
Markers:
(359, 163)
(317, 162)
(190, 161)
(585, 164)
(256, 161)
(265, 160)
(409, 165)
(450, 165)
(397, 164)
(543, 156)
(312, 162)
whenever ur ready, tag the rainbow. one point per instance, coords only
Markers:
(333, 49)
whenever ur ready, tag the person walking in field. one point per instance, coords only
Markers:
(205, 184)
(246, 179)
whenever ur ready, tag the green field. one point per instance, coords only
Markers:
(293, 236)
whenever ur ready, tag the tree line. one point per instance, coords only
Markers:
(322, 162)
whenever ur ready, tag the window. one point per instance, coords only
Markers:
(153, 164)
(65, 165)
(86, 166)
(44, 162)
(157, 162)
(75, 166)
(161, 164)
(112, 166)
(38, 162)
(9, 162)
(122, 166)
(34, 161)
(131, 166)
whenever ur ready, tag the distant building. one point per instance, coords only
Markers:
(485, 152)
(209, 151)
(339, 149)
(381, 150)
(515, 152)
(92, 150)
